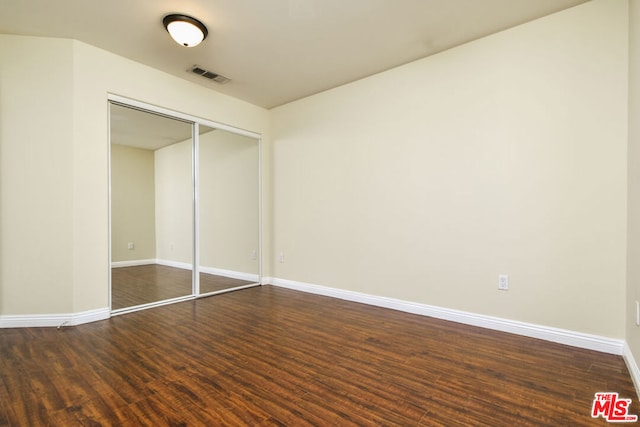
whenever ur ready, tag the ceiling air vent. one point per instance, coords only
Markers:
(209, 74)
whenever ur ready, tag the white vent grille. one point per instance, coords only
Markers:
(218, 78)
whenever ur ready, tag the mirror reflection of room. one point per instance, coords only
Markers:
(228, 210)
(152, 216)
(151, 208)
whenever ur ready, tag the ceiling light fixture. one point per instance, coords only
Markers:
(185, 30)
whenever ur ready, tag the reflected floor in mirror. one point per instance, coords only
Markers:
(132, 286)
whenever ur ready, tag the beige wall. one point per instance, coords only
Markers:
(505, 155)
(633, 255)
(132, 204)
(36, 175)
(54, 235)
(228, 201)
(174, 203)
(228, 190)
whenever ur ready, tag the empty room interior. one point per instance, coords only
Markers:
(365, 212)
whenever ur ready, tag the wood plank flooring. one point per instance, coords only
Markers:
(270, 356)
(132, 286)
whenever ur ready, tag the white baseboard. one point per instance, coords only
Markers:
(561, 336)
(139, 262)
(632, 366)
(53, 320)
(132, 263)
(176, 264)
(230, 273)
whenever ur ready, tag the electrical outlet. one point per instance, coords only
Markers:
(281, 257)
(254, 254)
(130, 246)
(503, 282)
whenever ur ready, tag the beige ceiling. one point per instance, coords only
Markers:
(275, 51)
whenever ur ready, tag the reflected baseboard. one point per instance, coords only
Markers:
(211, 270)
(133, 263)
(174, 264)
(250, 277)
(232, 274)
(140, 262)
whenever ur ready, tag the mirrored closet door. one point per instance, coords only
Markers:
(228, 237)
(184, 208)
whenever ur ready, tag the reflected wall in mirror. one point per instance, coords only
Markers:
(228, 197)
(151, 208)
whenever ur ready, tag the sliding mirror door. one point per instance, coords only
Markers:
(185, 207)
(151, 208)
(228, 210)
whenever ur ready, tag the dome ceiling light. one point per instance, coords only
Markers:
(185, 30)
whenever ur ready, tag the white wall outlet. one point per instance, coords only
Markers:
(130, 246)
(254, 254)
(281, 257)
(503, 282)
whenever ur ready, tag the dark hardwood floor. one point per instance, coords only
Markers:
(132, 286)
(271, 356)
